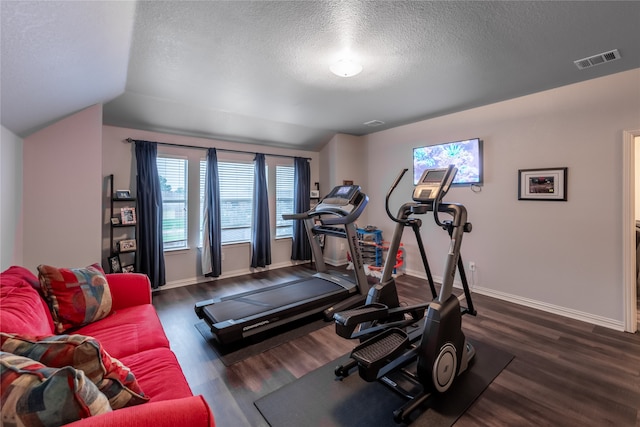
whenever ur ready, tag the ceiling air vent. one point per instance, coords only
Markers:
(373, 123)
(598, 59)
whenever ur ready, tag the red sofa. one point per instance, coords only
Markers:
(131, 333)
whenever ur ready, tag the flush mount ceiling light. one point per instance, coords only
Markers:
(345, 68)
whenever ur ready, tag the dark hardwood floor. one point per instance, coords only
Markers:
(565, 372)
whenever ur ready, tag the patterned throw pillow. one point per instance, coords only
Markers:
(34, 395)
(76, 296)
(113, 379)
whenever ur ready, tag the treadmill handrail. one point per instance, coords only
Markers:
(311, 213)
(351, 217)
(302, 215)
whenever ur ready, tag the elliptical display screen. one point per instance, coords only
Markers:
(433, 175)
(433, 184)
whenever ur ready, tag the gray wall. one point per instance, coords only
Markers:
(62, 192)
(11, 203)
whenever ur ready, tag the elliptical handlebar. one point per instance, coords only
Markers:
(448, 178)
(393, 187)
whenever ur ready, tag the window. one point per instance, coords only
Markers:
(173, 182)
(236, 201)
(203, 177)
(284, 200)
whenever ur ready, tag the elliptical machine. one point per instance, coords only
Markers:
(414, 362)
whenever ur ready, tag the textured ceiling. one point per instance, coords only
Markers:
(258, 72)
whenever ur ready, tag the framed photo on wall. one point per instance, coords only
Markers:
(543, 184)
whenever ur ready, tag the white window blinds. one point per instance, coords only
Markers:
(236, 201)
(173, 182)
(284, 200)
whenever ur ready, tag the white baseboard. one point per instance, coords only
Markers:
(593, 319)
(554, 309)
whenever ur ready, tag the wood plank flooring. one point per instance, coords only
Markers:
(564, 373)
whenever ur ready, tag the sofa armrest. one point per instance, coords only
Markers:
(189, 411)
(129, 289)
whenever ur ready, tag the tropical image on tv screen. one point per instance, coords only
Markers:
(465, 155)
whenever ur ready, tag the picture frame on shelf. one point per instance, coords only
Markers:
(128, 269)
(115, 220)
(128, 245)
(128, 215)
(114, 264)
(122, 194)
(548, 184)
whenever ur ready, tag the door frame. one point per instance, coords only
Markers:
(628, 231)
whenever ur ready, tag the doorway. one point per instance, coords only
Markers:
(636, 145)
(630, 171)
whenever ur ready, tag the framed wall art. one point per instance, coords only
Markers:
(543, 184)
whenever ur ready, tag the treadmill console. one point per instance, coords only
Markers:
(341, 195)
(434, 184)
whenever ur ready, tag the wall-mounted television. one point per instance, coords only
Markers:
(465, 155)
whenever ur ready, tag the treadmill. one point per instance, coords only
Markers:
(236, 317)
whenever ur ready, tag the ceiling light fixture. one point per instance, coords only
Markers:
(345, 68)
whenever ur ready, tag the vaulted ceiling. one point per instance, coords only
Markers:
(258, 71)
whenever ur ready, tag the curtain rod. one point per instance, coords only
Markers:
(171, 144)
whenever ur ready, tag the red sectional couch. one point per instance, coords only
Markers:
(131, 333)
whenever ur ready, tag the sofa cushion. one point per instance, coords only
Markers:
(192, 411)
(16, 295)
(159, 374)
(76, 296)
(114, 379)
(35, 395)
(128, 331)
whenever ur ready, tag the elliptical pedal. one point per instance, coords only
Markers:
(376, 352)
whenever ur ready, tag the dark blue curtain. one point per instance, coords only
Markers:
(150, 255)
(300, 248)
(212, 241)
(261, 236)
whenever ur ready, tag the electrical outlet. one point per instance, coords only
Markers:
(472, 266)
(342, 246)
(223, 256)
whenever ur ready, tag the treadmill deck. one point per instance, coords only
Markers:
(247, 305)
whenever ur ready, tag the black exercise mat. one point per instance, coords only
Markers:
(239, 351)
(319, 399)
